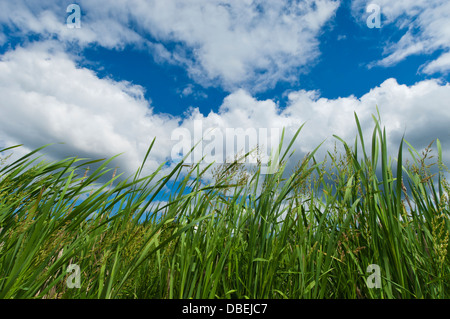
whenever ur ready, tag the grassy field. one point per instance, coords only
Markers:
(312, 234)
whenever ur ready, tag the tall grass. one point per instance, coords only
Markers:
(311, 234)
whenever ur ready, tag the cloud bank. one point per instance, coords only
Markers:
(234, 44)
(47, 98)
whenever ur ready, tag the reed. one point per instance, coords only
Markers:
(310, 233)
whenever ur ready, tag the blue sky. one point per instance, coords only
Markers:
(347, 47)
(142, 69)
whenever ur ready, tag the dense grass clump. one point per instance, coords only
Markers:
(311, 234)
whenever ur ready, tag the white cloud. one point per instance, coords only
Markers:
(420, 111)
(47, 98)
(441, 64)
(232, 43)
(426, 26)
(48, 19)
(193, 91)
(188, 90)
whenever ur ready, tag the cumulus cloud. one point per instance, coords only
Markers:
(47, 98)
(426, 30)
(234, 43)
(239, 42)
(420, 112)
